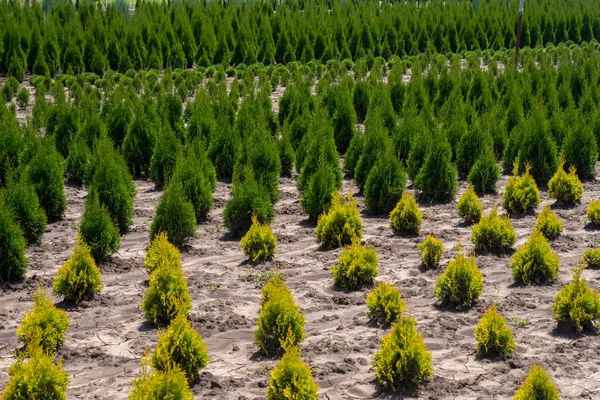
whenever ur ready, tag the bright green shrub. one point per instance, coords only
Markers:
(340, 225)
(461, 284)
(436, 179)
(167, 295)
(420, 143)
(279, 321)
(493, 233)
(521, 194)
(164, 156)
(591, 257)
(170, 384)
(535, 262)
(248, 199)
(287, 157)
(175, 216)
(403, 357)
(13, 263)
(138, 144)
(196, 178)
(577, 305)
(405, 218)
(385, 304)
(77, 161)
(36, 378)
(180, 345)
(356, 267)
(20, 196)
(44, 325)
(580, 150)
(223, 151)
(493, 336)
(431, 251)
(259, 243)
(97, 229)
(485, 173)
(317, 197)
(537, 385)
(565, 188)
(549, 224)
(23, 97)
(469, 206)
(473, 144)
(353, 153)
(79, 278)
(593, 213)
(160, 252)
(291, 378)
(385, 184)
(537, 149)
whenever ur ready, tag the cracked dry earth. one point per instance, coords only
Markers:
(108, 335)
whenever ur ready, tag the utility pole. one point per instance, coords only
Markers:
(519, 23)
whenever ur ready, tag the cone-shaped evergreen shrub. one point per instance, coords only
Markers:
(385, 304)
(591, 257)
(223, 151)
(45, 172)
(317, 197)
(385, 184)
(436, 179)
(259, 243)
(538, 149)
(485, 173)
(420, 145)
(180, 345)
(196, 183)
(28, 214)
(340, 225)
(79, 278)
(521, 194)
(493, 233)
(537, 385)
(138, 144)
(469, 206)
(44, 325)
(170, 384)
(593, 213)
(577, 305)
(97, 229)
(344, 120)
(167, 295)
(375, 142)
(403, 357)
(36, 378)
(405, 218)
(565, 188)
(248, 199)
(13, 263)
(535, 262)
(353, 153)
(493, 336)
(287, 157)
(160, 252)
(175, 216)
(431, 251)
(164, 156)
(356, 267)
(77, 161)
(580, 150)
(291, 378)
(461, 284)
(549, 224)
(473, 144)
(279, 321)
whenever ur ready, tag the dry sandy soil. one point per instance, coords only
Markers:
(108, 334)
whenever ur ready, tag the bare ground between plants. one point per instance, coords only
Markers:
(109, 334)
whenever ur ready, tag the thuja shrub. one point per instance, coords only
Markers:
(353, 153)
(521, 193)
(469, 206)
(591, 257)
(356, 267)
(436, 180)
(431, 251)
(549, 224)
(13, 263)
(577, 306)
(175, 216)
(405, 218)
(340, 225)
(138, 144)
(196, 181)
(565, 188)
(535, 262)
(169, 384)
(77, 161)
(291, 378)
(97, 230)
(580, 150)
(493, 233)
(28, 214)
(167, 295)
(34, 376)
(537, 385)
(493, 336)
(248, 199)
(485, 173)
(593, 213)
(180, 345)
(160, 252)
(79, 278)
(164, 156)
(44, 325)
(461, 284)
(259, 243)
(317, 197)
(385, 184)
(403, 357)
(385, 304)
